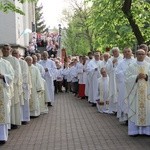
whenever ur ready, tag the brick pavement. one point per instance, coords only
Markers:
(72, 124)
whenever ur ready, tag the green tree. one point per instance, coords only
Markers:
(120, 22)
(7, 5)
(40, 23)
(79, 36)
(109, 23)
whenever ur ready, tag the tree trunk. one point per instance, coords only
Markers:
(126, 8)
(89, 38)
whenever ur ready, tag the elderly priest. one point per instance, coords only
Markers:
(6, 81)
(138, 89)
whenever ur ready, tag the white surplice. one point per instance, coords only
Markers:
(103, 64)
(80, 73)
(102, 97)
(147, 59)
(59, 74)
(41, 69)
(87, 77)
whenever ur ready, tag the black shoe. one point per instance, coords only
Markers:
(115, 113)
(14, 126)
(83, 97)
(49, 104)
(133, 135)
(61, 91)
(126, 122)
(33, 117)
(24, 122)
(93, 105)
(2, 142)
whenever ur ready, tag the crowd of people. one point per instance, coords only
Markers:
(115, 83)
(49, 41)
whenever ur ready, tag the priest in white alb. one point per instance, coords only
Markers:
(122, 106)
(17, 85)
(111, 70)
(138, 91)
(106, 57)
(25, 110)
(93, 69)
(36, 88)
(43, 95)
(49, 76)
(6, 79)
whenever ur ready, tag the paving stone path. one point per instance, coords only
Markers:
(72, 124)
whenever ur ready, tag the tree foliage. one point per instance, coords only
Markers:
(122, 22)
(40, 23)
(113, 23)
(9, 6)
(79, 36)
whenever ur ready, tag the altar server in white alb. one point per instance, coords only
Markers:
(122, 106)
(74, 77)
(111, 70)
(59, 77)
(82, 77)
(17, 86)
(90, 58)
(25, 110)
(6, 79)
(138, 89)
(103, 92)
(36, 88)
(49, 76)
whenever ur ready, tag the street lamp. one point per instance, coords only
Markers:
(48, 29)
(59, 40)
(59, 35)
